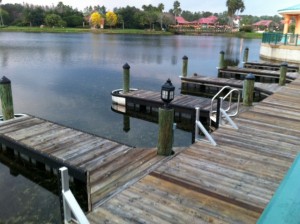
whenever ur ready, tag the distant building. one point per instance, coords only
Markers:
(288, 14)
(283, 47)
(265, 25)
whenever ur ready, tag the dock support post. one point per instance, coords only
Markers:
(283, 70)
(165, 135)
(6, 98)
(185, 61)
(246, 54)
(248, 89)
(126, 78)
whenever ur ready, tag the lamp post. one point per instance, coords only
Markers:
(165, 120)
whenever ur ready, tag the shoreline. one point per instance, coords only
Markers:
(122, 31)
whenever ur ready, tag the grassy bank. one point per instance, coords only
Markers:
(117, 31)
(79, 30)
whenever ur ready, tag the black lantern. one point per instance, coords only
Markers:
(167, 92)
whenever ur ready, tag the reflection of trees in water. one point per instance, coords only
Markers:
(233, 51)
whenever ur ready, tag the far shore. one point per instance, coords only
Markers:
(120, 31)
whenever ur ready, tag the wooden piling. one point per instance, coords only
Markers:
(6, 98)
(126, 78)
(283, 71)
(126, 123)
(246, 54)
(165, 135)
(185, 60)
(248, 90)
(222, 60)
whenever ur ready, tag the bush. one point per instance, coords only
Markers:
(247, 29)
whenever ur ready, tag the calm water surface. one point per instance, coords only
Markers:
(67, 78)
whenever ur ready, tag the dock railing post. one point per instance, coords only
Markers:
(126, 78)
(185, 61)
(248, 90)
(283, 71)
(64, 177)
(246, 54)
(6, 98)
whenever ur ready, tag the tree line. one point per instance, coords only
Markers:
(149, 17)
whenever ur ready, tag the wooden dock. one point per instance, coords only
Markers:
(203, 84)
(261, 75)
(106, 167)
(229, 183)
(181, 104)
(268, 66)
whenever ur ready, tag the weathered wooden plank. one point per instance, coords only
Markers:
(249, 163)
(274, 120)
(121, 166)
(102, 148)
(31, 131)
(97, 163)
(18, 124)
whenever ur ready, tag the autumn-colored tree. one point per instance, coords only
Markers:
(111, 18)
(95, 19)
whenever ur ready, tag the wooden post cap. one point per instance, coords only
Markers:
(185, 57)
(126, 66)
(250, 76)
(222, 52)
(4, 80)
(284, 64)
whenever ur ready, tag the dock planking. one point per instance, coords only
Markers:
(181, 103)
(230, 183)
(105, 166)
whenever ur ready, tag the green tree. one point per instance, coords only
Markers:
(52, 20)
(234, 6)
(33, 15)
(130, 17)
(176, 8)
(111, 18)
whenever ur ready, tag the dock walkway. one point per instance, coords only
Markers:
(230, 183)
(105, 166)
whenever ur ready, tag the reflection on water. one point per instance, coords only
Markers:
(67, 78)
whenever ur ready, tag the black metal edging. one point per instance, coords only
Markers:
(53, 162)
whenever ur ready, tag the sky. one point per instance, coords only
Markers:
(253, 7)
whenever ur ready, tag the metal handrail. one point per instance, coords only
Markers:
(238, 101)
(229, 94)
(198, 125)
(218, 93)
(231, 122)
(70, 204)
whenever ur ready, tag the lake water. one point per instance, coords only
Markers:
(67, 78)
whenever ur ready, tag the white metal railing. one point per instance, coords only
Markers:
(199, 125)
(70, 204)
(230, 121)
(229, 94)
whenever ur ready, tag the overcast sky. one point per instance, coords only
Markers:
(253, 7)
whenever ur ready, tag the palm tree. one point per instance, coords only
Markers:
(1, 19)
(234, 6)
